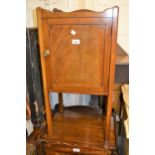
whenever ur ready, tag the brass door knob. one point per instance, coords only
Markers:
(46, 53)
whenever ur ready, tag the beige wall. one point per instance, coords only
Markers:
(70, 5)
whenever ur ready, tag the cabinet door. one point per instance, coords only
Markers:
(79, 54)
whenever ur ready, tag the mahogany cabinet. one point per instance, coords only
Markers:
(78, 51)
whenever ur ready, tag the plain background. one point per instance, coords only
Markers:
(71, 5)
(13, 77)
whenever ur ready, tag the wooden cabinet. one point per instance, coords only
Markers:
(77, 52)
(78, 47)
(77, 63)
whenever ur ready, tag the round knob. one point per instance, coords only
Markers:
(46, 53)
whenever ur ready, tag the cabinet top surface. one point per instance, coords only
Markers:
(108, 13)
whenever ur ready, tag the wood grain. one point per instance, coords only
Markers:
(111, 76)
(87, 67)
(46, 93)
(60, 99)
(79, 127)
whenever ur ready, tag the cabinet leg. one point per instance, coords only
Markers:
(48, 116)
(105, 105)
(60, 96)
(108, 120)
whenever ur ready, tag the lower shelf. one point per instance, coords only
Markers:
(79, 130)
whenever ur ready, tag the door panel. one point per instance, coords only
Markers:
(79, 56)
(82, 65)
